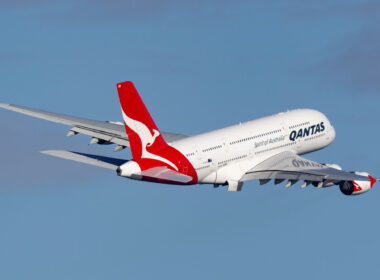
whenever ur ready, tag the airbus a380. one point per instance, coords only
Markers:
(264, 149)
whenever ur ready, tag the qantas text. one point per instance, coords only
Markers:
(304, 132)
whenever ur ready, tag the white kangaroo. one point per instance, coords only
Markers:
(146, 138)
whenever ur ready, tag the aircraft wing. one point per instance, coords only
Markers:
(289, 166)
(107, 131)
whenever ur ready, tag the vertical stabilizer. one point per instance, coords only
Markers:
(149, 149)
(140, 127)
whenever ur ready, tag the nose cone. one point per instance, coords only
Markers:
(373, 180)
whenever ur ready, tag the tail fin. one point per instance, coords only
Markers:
(140, 127)
(149, 149)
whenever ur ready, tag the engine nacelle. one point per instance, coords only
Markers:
(333, 165)
(357, 187)
(98, 141)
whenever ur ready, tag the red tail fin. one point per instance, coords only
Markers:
(148, 147)
(141, 129)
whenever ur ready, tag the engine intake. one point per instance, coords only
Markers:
(347, 188)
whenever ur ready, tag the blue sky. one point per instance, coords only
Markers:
(198, 65)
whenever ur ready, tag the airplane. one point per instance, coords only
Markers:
(264, 149)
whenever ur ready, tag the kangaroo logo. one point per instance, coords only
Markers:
(146, 138)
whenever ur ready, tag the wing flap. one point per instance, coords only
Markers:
(96, 133)
(282, 175)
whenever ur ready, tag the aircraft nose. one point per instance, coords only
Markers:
(373, 180)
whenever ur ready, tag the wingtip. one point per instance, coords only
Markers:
(4, 105)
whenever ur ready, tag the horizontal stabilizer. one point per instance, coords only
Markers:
(100, 161)
(166, 174)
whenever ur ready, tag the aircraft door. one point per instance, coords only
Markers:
(285, 129)
(198, 153)
(225, 145)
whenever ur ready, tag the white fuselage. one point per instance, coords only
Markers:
(238, 147)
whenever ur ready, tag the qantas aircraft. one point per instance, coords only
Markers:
(264, 149)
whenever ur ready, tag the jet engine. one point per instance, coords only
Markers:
(357, 187)
(98, 141)
(335, 166)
